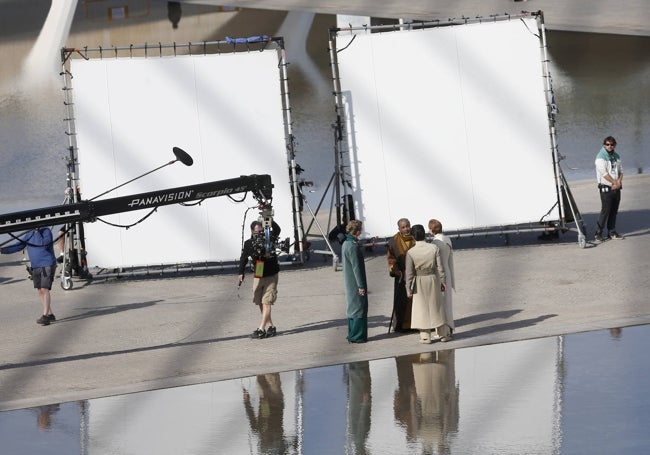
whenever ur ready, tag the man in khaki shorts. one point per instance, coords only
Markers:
(38, 243)
(265, 270)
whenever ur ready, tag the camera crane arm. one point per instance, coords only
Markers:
(88, 211)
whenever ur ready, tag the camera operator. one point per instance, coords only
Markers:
(265, 262)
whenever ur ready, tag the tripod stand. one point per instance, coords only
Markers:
(330, 250)
(344, 211)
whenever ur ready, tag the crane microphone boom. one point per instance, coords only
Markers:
(183, 156)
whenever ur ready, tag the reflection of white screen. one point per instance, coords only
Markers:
(225, 110)
(448, 123)
(524, 380)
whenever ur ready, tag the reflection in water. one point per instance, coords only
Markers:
(404, 397)
(52, 428)
(496, 399)
(45, 414)
(426, 401)
(359, 406)
(616, 332)
(267, 424)
(606, 397)
(437, 395)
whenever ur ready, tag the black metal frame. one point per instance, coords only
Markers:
(564, 196)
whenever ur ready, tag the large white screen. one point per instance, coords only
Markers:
(225, 110)
(448, 123)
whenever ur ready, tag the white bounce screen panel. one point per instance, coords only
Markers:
(448, 123)
(224, 110)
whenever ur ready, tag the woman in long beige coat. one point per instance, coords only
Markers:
(425, 281)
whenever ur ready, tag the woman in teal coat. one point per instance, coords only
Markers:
(356, 290)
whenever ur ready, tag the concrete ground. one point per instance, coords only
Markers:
(120, 336)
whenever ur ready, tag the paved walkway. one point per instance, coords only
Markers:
(121, 336)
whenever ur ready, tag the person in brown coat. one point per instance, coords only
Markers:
(397, 246)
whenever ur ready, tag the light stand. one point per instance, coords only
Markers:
(329, 245)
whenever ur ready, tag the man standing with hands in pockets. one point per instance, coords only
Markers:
(609, 175)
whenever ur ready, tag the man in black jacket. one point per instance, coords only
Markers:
(266, 268)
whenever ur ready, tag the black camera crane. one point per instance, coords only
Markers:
(89, 210)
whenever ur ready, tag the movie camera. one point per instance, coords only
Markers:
(265, 243)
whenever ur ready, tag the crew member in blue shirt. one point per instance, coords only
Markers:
(40, 250)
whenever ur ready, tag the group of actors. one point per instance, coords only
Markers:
(423, 274)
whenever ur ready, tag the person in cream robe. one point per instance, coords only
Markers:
(425, 282)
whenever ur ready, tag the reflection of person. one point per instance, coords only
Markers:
(616, 332)
(425, 282)
(609, 176)
(41, 257)
(397, 247)
(447, 253)
(404, 396)
(359, 405)
(44, 418)
(268, 423)
(354, 273)
(266, 267)
(436, 409)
